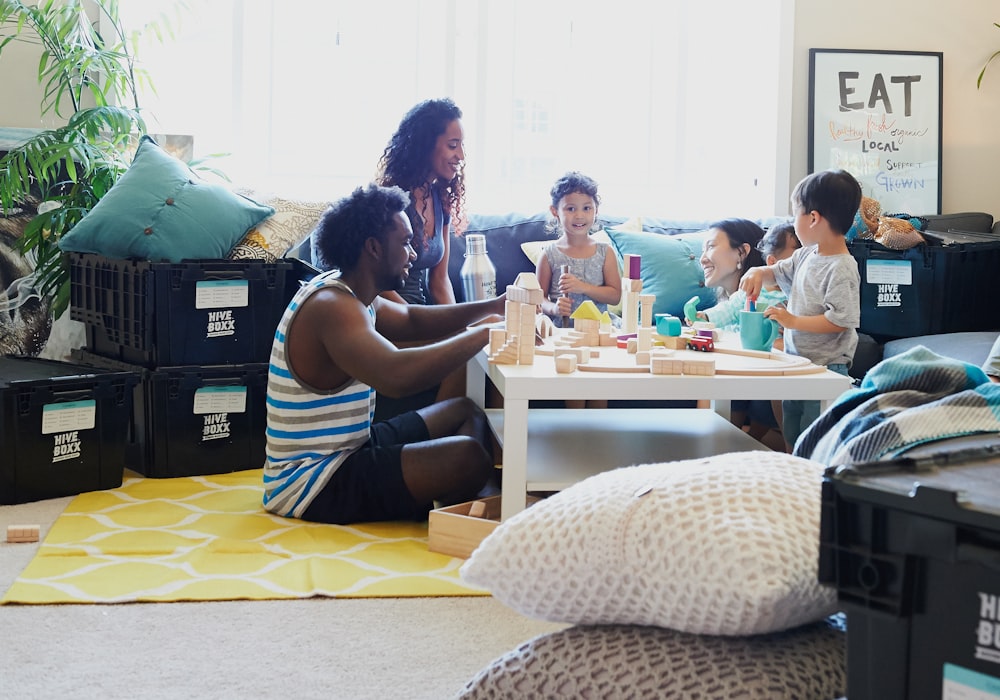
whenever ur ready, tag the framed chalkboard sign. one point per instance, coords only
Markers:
(877, 114)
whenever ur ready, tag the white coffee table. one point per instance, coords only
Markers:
(520, 384)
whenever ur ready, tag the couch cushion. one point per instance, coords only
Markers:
(721, 545)
(670, 270)
(619, 661)
(504, 236)
(161, 210)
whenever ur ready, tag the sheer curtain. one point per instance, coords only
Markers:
(675, 108)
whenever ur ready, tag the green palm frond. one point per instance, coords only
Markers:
(979, 80)
(90, 80)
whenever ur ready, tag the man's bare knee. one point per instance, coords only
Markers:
(457, 416)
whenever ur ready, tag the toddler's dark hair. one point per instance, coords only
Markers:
(835, 194)
(776, 239)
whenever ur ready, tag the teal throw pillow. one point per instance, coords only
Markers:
(670, 268)
(161, 210)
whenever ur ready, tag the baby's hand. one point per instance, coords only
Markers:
(780, 314)
(699, 316)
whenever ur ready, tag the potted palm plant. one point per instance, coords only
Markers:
(90, 80)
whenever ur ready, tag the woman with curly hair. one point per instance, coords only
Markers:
(426, 158)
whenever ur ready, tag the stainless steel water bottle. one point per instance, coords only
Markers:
(479, 276)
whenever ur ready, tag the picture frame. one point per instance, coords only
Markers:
(877, 114)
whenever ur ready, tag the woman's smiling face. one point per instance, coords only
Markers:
(449, 152)
(719, 260)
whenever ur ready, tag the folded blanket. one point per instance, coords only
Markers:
(910, 399)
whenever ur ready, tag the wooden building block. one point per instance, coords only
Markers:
(498, 337)
(631, 266)
(477, 509)
(507, 355)
(666, 365)
(22, 533)
(645, 337)
(544, 326)
(646, 302)
(673, 342)
(704, 368)
(565, 363)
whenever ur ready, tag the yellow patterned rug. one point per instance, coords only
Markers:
(208, 538)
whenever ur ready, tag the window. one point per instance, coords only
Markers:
(673, 107)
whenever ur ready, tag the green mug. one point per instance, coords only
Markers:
(757, 332)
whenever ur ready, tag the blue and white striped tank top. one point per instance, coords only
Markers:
(310, 432)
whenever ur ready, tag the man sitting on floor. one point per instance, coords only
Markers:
(334, 348)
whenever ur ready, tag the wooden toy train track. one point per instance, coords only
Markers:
(728, 361)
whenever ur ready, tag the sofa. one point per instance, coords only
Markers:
(506, 234)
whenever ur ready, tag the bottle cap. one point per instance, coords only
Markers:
(475, 244)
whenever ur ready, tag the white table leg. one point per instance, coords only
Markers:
(722, 407)
(475, 382)
(515, 457)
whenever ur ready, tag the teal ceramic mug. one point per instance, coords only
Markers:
(757, 332)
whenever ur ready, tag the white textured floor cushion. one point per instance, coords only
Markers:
(630, 661)
(723, 545)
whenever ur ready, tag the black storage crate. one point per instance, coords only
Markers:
(64, 428)
(913, 547)
(944, 286)
(192, 421)
(196, 312)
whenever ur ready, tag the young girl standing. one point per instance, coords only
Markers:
(575, 267)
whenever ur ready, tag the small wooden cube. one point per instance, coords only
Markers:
(22, 533)
(565, 363)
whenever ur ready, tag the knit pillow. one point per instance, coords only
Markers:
(722, 545)
(619, 661)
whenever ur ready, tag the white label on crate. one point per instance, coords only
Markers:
(219, 294)
(889, 272)
(220, 399)
(69, 415)
(964, 684)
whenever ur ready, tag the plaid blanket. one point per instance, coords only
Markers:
(910, 399)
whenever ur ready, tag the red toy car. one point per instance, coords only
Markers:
(700, 342)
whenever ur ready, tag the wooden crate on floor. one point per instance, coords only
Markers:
(453, 531)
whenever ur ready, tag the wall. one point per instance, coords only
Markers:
(964, 32)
